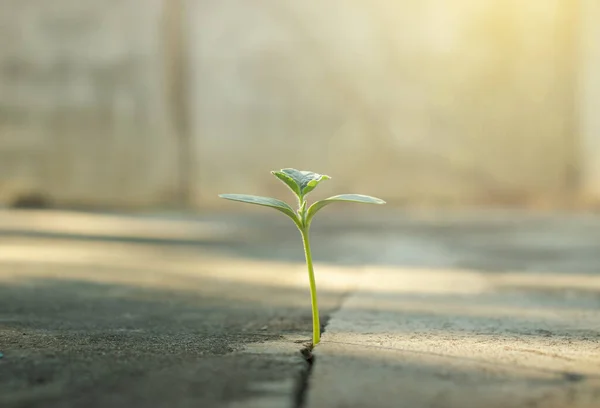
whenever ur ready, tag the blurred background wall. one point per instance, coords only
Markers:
(166, 103)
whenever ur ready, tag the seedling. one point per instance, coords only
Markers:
(302, 183)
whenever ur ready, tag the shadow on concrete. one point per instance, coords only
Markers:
(73, 343)
(525, 243)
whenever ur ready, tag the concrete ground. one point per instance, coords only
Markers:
(454, 310)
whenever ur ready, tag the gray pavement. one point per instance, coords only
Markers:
(460, 339)
(427, 310)
(497, 313)
(107, 311)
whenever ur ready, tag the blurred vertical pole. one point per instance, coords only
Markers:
(176, 69)
(589, 98)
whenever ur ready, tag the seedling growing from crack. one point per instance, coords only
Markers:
(302, 183)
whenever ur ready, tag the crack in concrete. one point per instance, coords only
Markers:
(301, 393)
(304, 378)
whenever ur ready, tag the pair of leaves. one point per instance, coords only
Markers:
(301, 183)
(312, 210)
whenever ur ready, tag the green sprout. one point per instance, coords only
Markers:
(302, 183)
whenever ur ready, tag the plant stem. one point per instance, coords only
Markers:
(313, 287)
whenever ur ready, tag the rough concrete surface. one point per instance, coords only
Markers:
(99, 310)
(447, 336)
(170, 310)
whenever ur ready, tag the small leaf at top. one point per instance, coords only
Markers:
(264, 201)
(290, 182)
(353, 198)
(305, 180)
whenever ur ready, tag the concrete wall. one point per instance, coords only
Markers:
(84, 115)
(141, 102)
(428, 101)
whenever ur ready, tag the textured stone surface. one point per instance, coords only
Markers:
(121, 311)
(453, 310)
(470, 316)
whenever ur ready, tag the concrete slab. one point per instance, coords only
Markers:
(462, 338)
(102, 310)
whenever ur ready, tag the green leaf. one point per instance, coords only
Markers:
(264, 201)
(290, 182)
(353, 198)
(306, 181)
